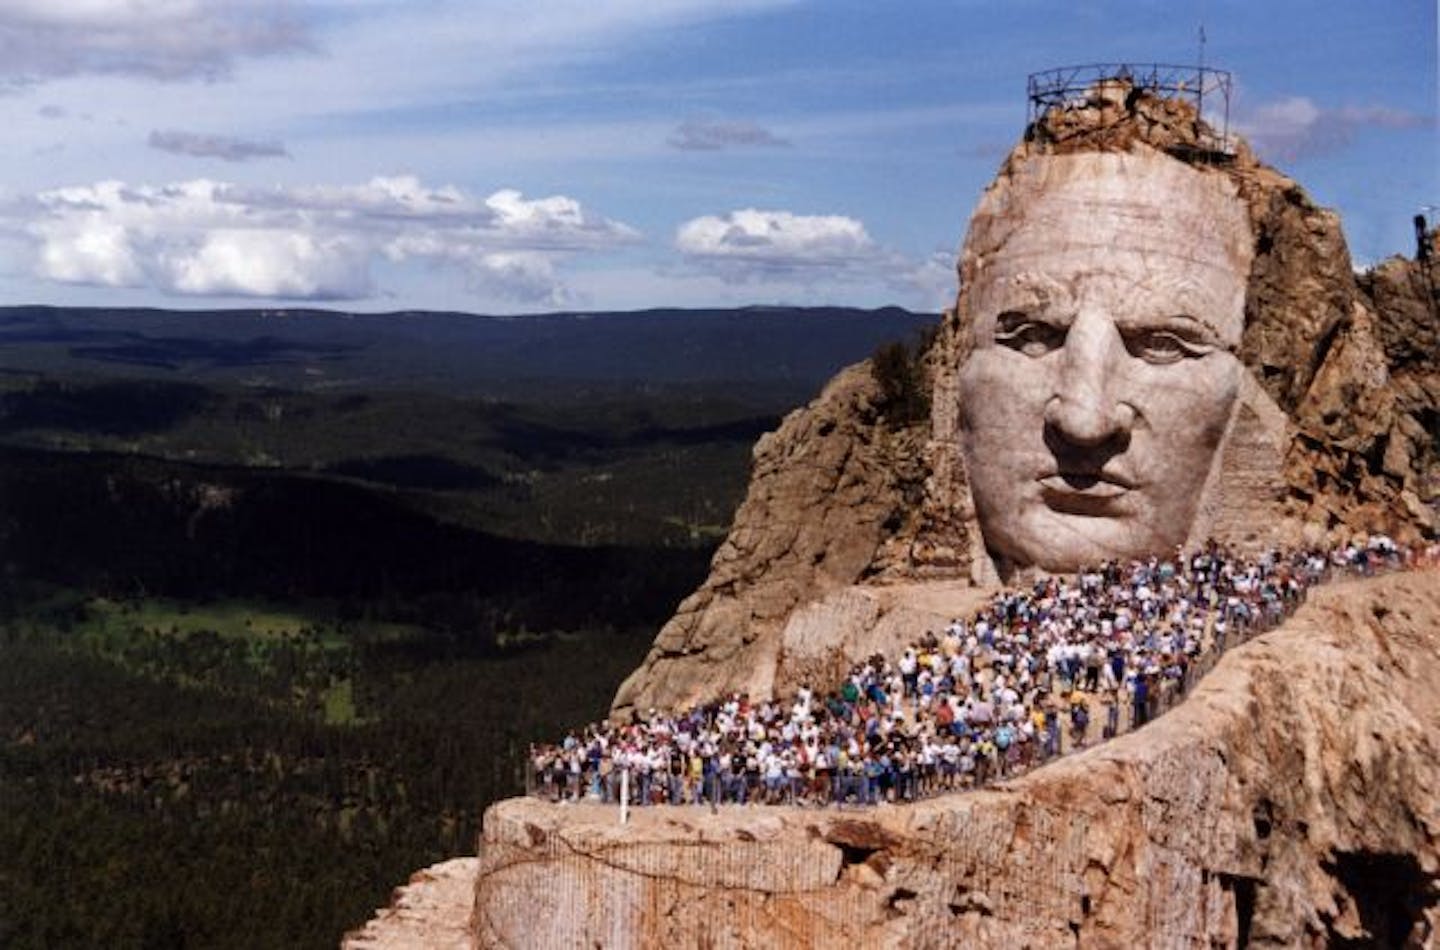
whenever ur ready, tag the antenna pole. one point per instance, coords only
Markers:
(1200, 95)
(1202, 37)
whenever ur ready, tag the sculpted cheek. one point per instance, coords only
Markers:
(978, 380)
(1209, 396)
(1193, 398)
(1225, 384)
(995, 379)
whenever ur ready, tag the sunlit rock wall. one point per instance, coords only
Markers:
(1289, 802)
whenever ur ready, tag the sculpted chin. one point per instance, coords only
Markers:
(1104, 303)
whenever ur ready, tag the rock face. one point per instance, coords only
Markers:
(431, 912)
(1290, 801)
(825, 491)
(1406, 301)
(1335, 432)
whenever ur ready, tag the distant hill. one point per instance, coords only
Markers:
(790, 346)
(564, 429)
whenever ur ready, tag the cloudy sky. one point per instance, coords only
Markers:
(506, 157)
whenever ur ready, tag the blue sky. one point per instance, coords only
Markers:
(507, 157)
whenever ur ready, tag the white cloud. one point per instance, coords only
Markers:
(798, 257)
(933, 282)
(268, 262)
(209, 238)
(519, 275)
(159, 39)
(1295, 127)
(749, 240)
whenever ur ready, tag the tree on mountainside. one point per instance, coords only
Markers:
(899, 370)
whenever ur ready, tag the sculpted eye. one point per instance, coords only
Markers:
(1164, 346)
(1025, 335)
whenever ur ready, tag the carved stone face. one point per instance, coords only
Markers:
(1105, 299)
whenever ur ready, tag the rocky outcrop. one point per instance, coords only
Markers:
(1405, 297)
(826, 489)
(820, 639)
(1290, 801)
(431, 912)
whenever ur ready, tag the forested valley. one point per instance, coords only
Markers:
(281, 608)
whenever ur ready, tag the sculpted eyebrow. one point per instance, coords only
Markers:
(1184, 322)
(1010, 318)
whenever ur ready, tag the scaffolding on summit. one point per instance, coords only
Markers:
(1205, 88)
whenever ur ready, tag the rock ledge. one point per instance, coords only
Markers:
(1290, 801)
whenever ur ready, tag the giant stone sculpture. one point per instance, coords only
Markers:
(1105, 303)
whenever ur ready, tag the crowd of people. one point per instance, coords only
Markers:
(1036, 673)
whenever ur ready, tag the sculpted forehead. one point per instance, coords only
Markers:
(1141, 229)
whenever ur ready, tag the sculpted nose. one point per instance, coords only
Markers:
(1084, 408)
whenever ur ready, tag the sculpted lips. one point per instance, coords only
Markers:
(1097, 494)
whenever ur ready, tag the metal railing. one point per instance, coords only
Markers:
(1066, 86)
